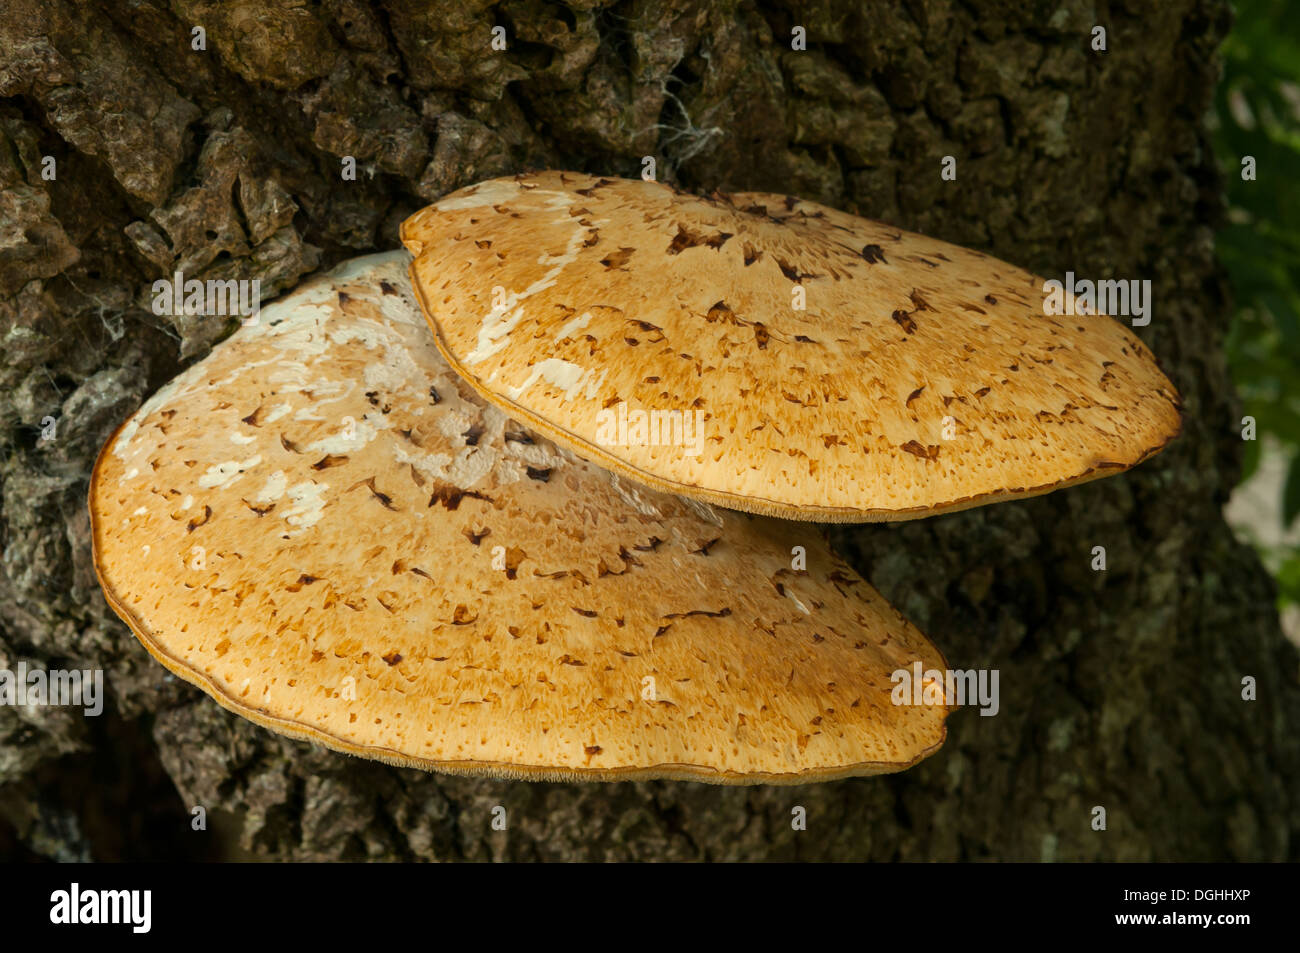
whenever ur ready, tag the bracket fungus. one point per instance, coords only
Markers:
(330, 533)
(835, 368)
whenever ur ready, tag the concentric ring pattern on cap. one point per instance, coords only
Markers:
(843, 370)
(326, 530)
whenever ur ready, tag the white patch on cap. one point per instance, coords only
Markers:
(302, 321)
(308, 504)
(795, 599)
(294, 374)
(557, 263)
(566, 375)
(494, 334)
(402, 308)
(508, 471)
(452, 423)
(321, 393)
(471, 465)
(241, 438)
(164, 393)
(535, 455)
(577, 324)
(430, 464)
(370, 333)
(274, 488)
(494, 330)
(353, 435)
(395, 371)
(221, 475)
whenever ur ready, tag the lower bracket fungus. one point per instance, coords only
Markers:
(329, 532)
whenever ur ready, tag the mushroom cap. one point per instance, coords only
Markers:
(921, 378)
(326, 530)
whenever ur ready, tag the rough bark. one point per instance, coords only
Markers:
(1119, 688)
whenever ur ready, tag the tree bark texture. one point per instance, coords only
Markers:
(1120, 689)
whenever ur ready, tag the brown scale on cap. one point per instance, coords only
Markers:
(900, 332)
(309, 570)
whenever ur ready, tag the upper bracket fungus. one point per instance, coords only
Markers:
(804, 362)
(330, 533)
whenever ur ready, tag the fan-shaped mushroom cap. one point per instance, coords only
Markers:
(323, 528)
(919, 378)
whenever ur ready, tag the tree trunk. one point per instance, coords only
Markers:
(1120, 689)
